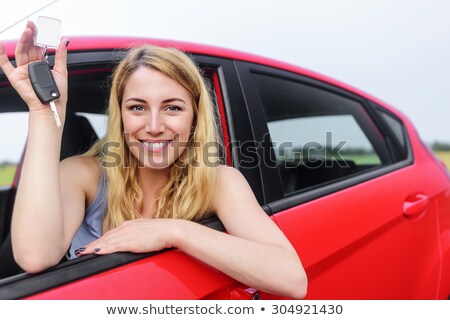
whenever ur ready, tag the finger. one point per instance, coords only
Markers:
(5, 64)
(84, 251)
(93, 247)
(22, 47)
(35, 53)
(87, 249)
(61, 57)
(106, 250)
(99, 249)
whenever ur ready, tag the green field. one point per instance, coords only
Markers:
(362, 159)
(7, 175)
(444, 156)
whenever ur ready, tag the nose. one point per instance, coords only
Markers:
(154, 125)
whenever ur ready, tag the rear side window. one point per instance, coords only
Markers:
(398, 131)
(318, 136)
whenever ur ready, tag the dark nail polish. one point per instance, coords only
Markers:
(79, 250)
(67, 44)
(97, 249)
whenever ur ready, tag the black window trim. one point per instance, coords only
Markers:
(236, 113)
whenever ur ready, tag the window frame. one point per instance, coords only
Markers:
(272, 185)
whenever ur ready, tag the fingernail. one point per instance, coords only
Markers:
(80, 250)
(67, 44)
(97, 249)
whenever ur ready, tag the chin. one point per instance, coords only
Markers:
(156, 164)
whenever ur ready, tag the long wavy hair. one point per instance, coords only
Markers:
(191, 183)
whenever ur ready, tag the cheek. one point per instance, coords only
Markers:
(130, 124)
(184, 128)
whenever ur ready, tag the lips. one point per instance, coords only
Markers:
(156, 146)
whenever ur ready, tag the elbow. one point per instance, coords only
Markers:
(35, 258)
(298, 287)
(32, 263)
(292, 284)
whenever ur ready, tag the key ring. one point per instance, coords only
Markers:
(44, 53)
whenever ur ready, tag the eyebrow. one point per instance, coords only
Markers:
(165, 101)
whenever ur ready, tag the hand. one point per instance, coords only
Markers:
(138, 236)
(26, 53)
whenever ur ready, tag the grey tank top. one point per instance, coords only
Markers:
(91, 227)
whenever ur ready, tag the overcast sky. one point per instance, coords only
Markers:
(396, 50)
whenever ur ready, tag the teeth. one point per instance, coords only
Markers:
(155, 145)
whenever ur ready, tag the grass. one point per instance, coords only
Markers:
(444, 156)
(362, 159)
(7, 174)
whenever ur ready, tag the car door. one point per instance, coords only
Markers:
(347, 186)
(170, 274)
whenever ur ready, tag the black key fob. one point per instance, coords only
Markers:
(43, 82)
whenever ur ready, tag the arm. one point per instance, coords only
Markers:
(254, 251)
(39, 228)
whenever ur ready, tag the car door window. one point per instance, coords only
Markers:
(318, 136)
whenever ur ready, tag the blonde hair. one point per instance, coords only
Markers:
(189, 191)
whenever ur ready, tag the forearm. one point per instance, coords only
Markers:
(267, 267)
(37, 223)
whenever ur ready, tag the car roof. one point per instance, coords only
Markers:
(100, 43)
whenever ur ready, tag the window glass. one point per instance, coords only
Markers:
(397, 128)
(13, 133)
(318, 137)
(322, 137)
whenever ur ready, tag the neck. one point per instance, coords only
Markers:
(151, 180)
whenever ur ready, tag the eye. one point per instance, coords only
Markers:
(136, 108)
(173, 108)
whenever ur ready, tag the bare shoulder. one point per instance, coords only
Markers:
(238, 209)
(227, 175)
(81, 167)
(83, 172)
(232, 188)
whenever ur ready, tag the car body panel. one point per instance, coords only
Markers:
(388, 252)
(168, 275)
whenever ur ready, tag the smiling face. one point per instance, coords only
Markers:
(157, 115)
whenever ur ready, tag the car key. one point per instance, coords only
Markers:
(44, 86)
(48, 35)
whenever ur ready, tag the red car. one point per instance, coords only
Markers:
(345, 177)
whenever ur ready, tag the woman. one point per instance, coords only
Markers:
(160, 117)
